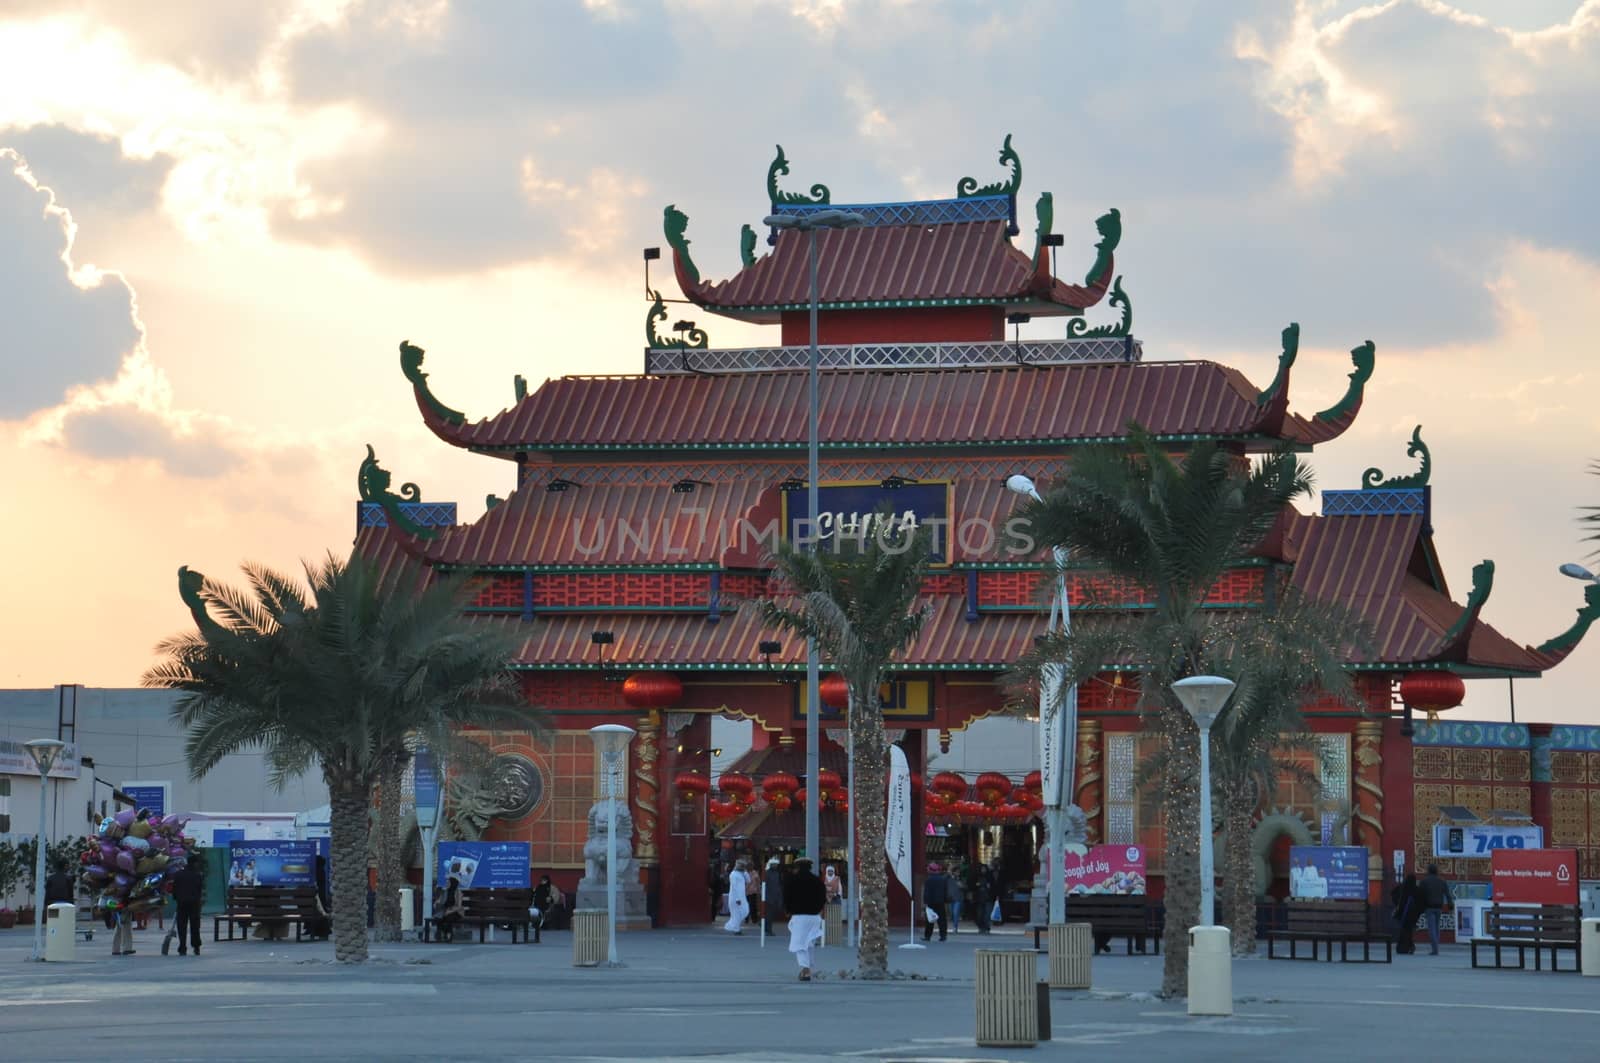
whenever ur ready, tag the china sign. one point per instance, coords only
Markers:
(1332, 872)
(860, 511)
(1106, 869)
(1534, 876)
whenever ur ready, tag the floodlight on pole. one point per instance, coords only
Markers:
(611, 742)
(810, 224)
(44, 752)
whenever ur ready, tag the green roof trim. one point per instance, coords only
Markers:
(777, 197)
(1078, 328)
(968, 187)
(1364, 358)
(1291, 350)
(845, 445)
(675, 227)
(692, 338)
(1587, 615)
(1372, 479)
(372, 483)
(411, 365)
(1482, 584)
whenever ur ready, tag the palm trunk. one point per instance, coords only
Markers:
(391, 875)
(866, 736)
(349, 825)
(1238, 862)
(1182, 806)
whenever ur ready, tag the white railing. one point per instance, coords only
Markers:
(895, 355)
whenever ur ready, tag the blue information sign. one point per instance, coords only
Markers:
(1334, 872)
(485, 865)
(425, 785)
(272, 863)
(148, 795)
(854, 510)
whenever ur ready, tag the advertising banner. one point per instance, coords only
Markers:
(272, 863)
(854, 510)
(425, 788)
(485, 865)
(1534, 876)
(16, 760)
(1106, 869)
(897, 833)
(151, 795)
(1333, 872)
(1481, 841)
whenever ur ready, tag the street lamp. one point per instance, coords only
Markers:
(1203, 696)
(1579, 572)
(810, 224)
(44, 752)
(611, 741)
(1058, 727)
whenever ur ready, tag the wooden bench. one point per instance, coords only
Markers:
(267, 905)
(1328, 921)
(487, 908)
(1550, 926)
(1111, 915)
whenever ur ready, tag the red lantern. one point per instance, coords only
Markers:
(1033, 782)
(691, 785)
(841, 800)
(827, 782)
(780, 802)
(652, 690)
(1432, 692)
(833, 691)
(737, 784)
(950, 784)
(992, 786)
(779, 782)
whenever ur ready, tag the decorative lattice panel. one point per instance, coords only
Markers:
(1380, 502)
(574, 690)
(600, 590)
(1474, 764)
(744, 585)
(945, 583)
(1044, 470)
(921, 212)
(1432, 763)
(1568, 767)
(1569, 816)
(1009, 588)
(1511, 765)
(1121, 804)
(1594, 769)
(497, 592)
(1513, 799)
(1427, 799)
(1109, 691)
(424, 514)
(665, 362)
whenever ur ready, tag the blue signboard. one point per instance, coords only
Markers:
(1332, 872)
(485, 865)
(272, 863)
(148, 795)
(425, 786)
(855, 511)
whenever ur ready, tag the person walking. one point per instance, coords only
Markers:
(1435, 900)
(189, 890)
(977, 889)
(935, 895)
(738, 897)
(773, 882)
(803, 899)
(1407, 899)
(957, 875)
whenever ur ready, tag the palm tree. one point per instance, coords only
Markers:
(1591, 515)
(858, 599)
(338, 678)
(1173, 526)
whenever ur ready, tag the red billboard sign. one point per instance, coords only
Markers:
(1534, 876)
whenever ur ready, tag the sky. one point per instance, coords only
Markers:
(217, 221)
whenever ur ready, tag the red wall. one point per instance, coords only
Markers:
(934, 324)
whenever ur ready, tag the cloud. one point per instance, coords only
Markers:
(89, 170)
(115, 433)
(65, 325)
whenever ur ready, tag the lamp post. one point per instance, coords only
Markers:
(44, 752)
(1058, 727)
(1577, 571)
(810, 224)
(1210, 946)
(611, 740)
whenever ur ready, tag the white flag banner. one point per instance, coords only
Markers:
(897, 835)
(1051, 718)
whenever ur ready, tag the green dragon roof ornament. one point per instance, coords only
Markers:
(1045, 211)
(519, 386)
(1078, 328)
(1291, 350)
(1363, 358)
(1482, 584)
(1588, 613)
(695, 338)
(747, 245)
(968, 188)
(372, 482)
(675, 226)
(780, 168)
(191, 584)
(1372, 479)
(1109, 226)
(411, 366)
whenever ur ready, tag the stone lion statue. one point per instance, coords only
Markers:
(595, 848)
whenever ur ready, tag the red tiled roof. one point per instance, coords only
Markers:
(971, 261)
(877, 408)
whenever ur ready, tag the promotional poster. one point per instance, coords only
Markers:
(272, 863)
(1534, 876)
(485, 865)
(1331, 872)
(1106, 869)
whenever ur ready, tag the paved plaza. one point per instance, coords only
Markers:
(702, 995)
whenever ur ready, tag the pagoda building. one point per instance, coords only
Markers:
(644, 509)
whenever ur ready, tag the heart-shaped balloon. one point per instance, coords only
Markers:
(134, 844)
(126, 862)
(125, 817)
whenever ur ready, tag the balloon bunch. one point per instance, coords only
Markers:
(132, 858)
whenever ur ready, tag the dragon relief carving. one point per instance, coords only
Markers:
(675, 227)
(691, 338)
(1364, 358)
(968, 187)
(1078, 328)
(372, 484)
(411, 365)
(1291, 350)
(780, 168)
(1372, 479)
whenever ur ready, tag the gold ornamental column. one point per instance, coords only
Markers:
(646, 788)
(1368, 781)
(1089, 784)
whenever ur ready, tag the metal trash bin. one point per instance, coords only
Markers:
(1007, 998)
(1589, 948)
(1071, 951)
(832, 925)
(408, 917)
(588, 937)
(60, 930)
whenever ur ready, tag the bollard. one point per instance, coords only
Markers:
(1589, 949)
(408, 918)
(588, 937)
(1071, 947)
(832, 925)
(1210, 971)
(1007, 998)
(60, 926)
